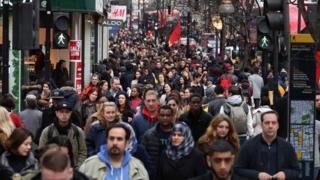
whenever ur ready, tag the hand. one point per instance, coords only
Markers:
(279, 175)
(264, 176)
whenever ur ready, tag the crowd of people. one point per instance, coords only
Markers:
(149, 112)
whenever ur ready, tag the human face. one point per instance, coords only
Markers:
(47, 174)
(63, 116)
(195, 103)
(25, 147)
(223, 129)
(269, 125)
(165, 117)
(318, 102)
(45, 87)
(116, 84)
(221, 164)
(151, 101)
(134, 92)
(116, 141)
(105, 86)
(187, 93)
(122, 99)
(167, 88)
(161, 78)
(138, 75)
(109, 113)
(93, 96)
(94, 80)
(173, 105)
(177, 138)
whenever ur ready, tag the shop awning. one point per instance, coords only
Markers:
(75, 5)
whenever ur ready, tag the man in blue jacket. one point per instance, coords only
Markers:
(267, 156)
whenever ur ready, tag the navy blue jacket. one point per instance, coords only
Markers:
(140, 125)
(95, 138)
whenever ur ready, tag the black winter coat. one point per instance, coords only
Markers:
(198, 124)
(251, 159)
(187, 167)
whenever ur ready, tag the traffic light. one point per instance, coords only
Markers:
(273, 10)
(264, 35)
(61, 24)
(26, 25)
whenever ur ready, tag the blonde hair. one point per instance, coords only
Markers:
(100, 112)
(6, 124)
(211, 136)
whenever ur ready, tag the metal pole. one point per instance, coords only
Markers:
(47, 62)
(222, 39)
(188, 34)
(5, 48)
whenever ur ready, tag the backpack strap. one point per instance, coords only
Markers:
(50, 132)
(227, 108)
(76, 133)
(245, 107)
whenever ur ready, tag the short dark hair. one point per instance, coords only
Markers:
(119, 125)
(166, 107)
(18, 136)
(269, 112)
(218, 89)
(234, 90)
(221, 145)
(56, 161)
(196, 95)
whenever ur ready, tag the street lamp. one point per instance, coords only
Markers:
(225, 8)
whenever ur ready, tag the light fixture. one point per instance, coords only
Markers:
(226, 7)
(216, 22)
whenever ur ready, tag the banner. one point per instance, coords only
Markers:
(75, 50)
(118, 13)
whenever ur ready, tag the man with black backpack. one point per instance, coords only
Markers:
(239, 112)
(62, 125)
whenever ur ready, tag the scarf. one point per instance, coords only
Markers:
(187, 145)
(62, 130)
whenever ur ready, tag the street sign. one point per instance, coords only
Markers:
(61, 40)
(302, 103)
(110, 23)
(75, 50)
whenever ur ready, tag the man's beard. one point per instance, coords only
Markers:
(114, 151)
(221, 178)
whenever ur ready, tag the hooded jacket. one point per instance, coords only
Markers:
(98, 167)
(142, 122)
(236, 100)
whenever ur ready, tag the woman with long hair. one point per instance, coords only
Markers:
(219, 128)
(167, 88)
(18, 157)
(181, 159)
(175, 105)
(45, 93)
(123, 103)
(88, 106)
(161, 80)
(6, 127)
(135, 98)
(107, 115)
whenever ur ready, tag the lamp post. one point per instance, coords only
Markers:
(226, 8)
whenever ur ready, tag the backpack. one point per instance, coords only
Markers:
(226, 81)
(238, 115)
(74, 128)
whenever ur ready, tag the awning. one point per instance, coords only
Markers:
(75, 5)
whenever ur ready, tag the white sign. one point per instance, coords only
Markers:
(99, 6)
(118, 13)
